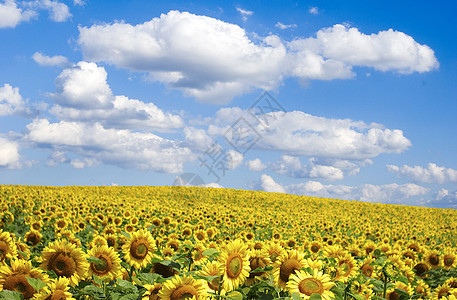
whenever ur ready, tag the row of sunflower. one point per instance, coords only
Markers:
(179, 243)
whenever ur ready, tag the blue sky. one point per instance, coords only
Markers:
(343, 99)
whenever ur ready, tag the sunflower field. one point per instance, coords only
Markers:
(204, 243)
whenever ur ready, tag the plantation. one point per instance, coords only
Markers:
(202, 243)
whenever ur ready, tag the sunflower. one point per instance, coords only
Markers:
(200, 235)
(212, 269)
(441, 291)
(347, 267)
(66, 260)
(306, 284)
(152, 291)
(14, 278)
(234, 265)
(161, 269)
(183, 288)
(432, 259)
(422, 289)
(110, 265)
(315, 247)
(7, 246)
(449, 259)
(33, 237)
(420, 269)
(392, 294)
(274, 251)
(288, 263)
(57, 289)
(98, 241)
(139, 250)
(258, 259)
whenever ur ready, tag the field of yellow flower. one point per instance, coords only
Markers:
(202, 243)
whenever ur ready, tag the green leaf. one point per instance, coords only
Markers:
(207, 278)
(171, 264)
(210, 252)
(296, 296)
(262, 269)
(11, 295)
(126, 286)
(315, 296)
(129, 297)
(126, 234)
(403, 279)
(94, 260)
(263, 296)
(235, 295)
(92, 290)
(156, 260)
(356, 296)
(37, 284)
(308, 270)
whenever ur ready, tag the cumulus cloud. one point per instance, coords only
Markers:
(197, 138)
(215, 61)
(431, 173)
(244, 13)
(233, 159)
(9, 154)
(83, 94)
(57, 60)
(12, 103)
(386, 50)
(268, 184)
(285, 26)
(388, 193)
(204, 57)
(96, 144)
(58, 11)
(444, 199)
(11, 15)
(255, 165)
(300, 134)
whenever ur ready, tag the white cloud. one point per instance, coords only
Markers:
(444, 199)
(255, 165)
(83, 94)
(79, 2)
(58, 11)
(197, 138)
(300, 134)
(206, 58)
(314, 10)
(285, 26)
(233, 159)
(83, 86)
(95, 144)
(12, 103)
(388, 193)
(11, 15)
(431, 173)
(384, 51)
(269, 185)
(244, 13)
(57, 157)
(215, 61)
(57, 60)
(9, 154)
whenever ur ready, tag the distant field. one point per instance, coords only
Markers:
(180, 242)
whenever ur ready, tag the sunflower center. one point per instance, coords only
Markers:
(420, 269)
(448, 260)
(234, 265)
(310, 286)
(102, 267)
(215, 283)
(345, 268)
(288, 267)
(315, 248)
(57, 295)
(394, 296)
(139, 249)
(257, 262)
(19, 284)
(3, 250)
(434, 260)
(183, 292)
(62, 264)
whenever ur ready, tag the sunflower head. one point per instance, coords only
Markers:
(109, 266)
(183, 288)
(306, 284)
(234, 265)
(140, 249)
(287, 264)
